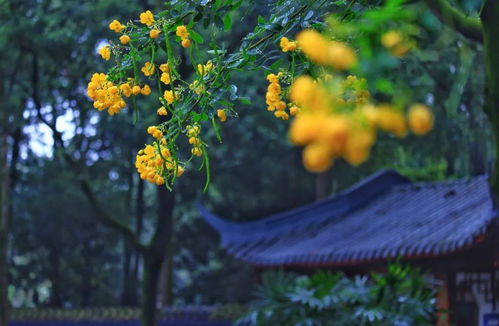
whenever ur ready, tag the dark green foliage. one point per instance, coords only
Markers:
(401, 296)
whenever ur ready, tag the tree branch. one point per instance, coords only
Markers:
(469, 27)
(104, 216)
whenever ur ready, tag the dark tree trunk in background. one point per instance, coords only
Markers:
(489, 16)
(139, 225)
(152, 269)
(155, 254)
(4, 213)
(322, 185)
(4, 229)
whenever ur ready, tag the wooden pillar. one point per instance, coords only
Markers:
(443, 302)
(451, 294)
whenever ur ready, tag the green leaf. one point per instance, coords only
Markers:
(244, 100)
(196, 37)
(227, 22)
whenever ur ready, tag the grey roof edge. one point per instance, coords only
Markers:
(384, 178)
(377, 255)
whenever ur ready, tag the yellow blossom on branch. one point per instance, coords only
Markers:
(147, 18)
(116, 26)
(105, 52)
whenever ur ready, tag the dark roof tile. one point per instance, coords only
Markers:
(383, 216)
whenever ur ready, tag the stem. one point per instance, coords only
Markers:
(489, 14)
(469, 27)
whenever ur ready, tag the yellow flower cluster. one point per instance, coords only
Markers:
(222, 115)
(105, 94)
(148, 69)
(205, 69)
(396, 43)
(155, 132)
(184, 36)
(192, 133)
(147, 18)
(116, 26)
(287, 45)
(325, 52)
(105, 52)
(273, 97)
(153, 162)
(328, 133)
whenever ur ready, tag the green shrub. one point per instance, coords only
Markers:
(400, 297)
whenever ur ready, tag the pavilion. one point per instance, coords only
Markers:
(449, 228)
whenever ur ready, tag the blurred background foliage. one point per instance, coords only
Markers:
(61, 256)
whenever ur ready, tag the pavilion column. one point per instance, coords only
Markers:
(451, 290)
(443, 302)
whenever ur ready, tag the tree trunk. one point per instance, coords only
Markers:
(152, 269)
(4, 214)
(4, 229)
(165, 295)
(489, 16)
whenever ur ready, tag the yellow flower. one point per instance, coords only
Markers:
(147, 18)
(392, 121)
(124, 39)
(186, 43)
(155, 132)
(164, 67)
(194, 141)
(390, 39)
(169, 97)
(305, 128)
(308, 94)
(148, 69)
(324, 52)
(182, 32)
(395, 43)
(193, 131)
(146, 90)
(105, 52)
(197, 151)
(287, 45)
(420, 119)
(317, 157)
(154, 33)
(334, 132)
(162, 111)
(341, 56)
(281, 114)
(116, 26)
(294, 110)
(314, 45)
(221, 115)
(136, 90)
(358, 145)
(165, 78)
(204, 69)
(126, 89)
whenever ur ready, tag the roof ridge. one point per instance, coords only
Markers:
(442, 183)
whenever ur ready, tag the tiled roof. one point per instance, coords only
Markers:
(383, 216)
